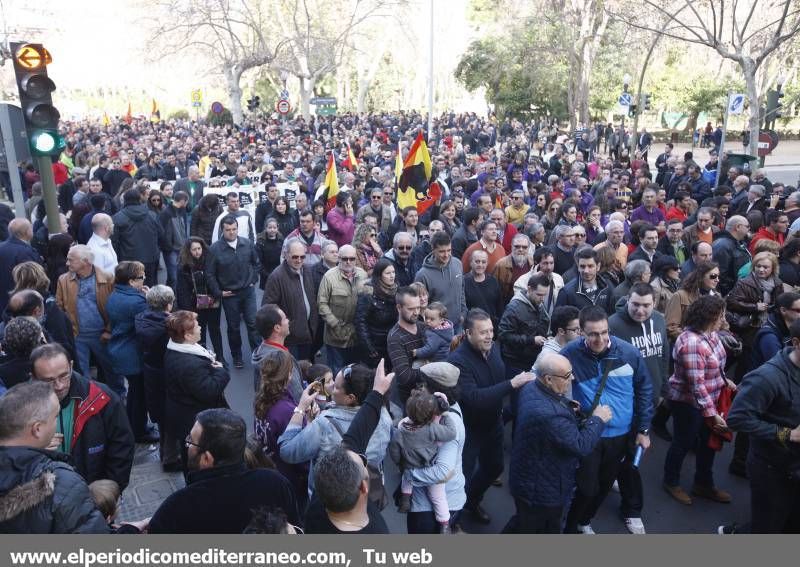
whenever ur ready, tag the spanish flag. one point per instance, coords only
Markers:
(413, 187)
(129, 116)
(106, 119)
(155, 114)
(398, 164)
(329, 187)
(351, 162)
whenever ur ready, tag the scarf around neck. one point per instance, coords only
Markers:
(195, 349)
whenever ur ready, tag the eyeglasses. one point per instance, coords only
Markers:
(60, 379)
(553, 209)
(375, 197)
(138, 278)
(567, 376)
(404, 247)
(580, 235)
(521, 246)
(572, 329)
(189, 443)
(388, 194)
(622, 206)
(298, 257)
(713, 276)
(347, 258)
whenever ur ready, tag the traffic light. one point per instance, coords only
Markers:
(646, 97)
(774, 106)
(35, 89)
(632, 110)
(253, 103)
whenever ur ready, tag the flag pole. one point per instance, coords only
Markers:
(430, 77)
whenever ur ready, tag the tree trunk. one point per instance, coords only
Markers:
(232, 76)
(306, 92)
(749, 70)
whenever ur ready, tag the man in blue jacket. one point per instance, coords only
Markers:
(549, 440)
(611, 372)
(16, 250)
(483, 386)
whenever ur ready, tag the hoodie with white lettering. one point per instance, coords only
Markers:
(649, 336)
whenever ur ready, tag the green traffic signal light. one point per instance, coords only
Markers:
(46, 142)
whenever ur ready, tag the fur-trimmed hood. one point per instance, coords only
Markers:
(25, 482)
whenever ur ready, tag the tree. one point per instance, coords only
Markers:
(582, 25)
(747, 32)
(317, 33)
(232, 32)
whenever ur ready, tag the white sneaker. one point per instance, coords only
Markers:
(615, 486)
(635, 526)
(585, 530)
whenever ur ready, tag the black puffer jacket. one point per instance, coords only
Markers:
(40, 493)
(151, 335)
(376, 314)
(731, 255)
(138, 235)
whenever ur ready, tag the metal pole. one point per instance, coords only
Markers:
(639, 108)
(45, 166)
(12, 161)
(722, 142)
(430, 78)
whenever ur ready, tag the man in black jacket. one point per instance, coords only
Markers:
(221, 493)
(483, 386)
(524, 326)
(730, 251)
(767, 407)
(587, 289)
(16, 250)
(174, 221)
(92, 426)
(138, 236)
(232, 271)
(39, 492)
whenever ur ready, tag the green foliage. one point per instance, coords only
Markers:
(180, 114)
(224, 117)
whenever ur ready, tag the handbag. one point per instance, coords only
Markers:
(739, 321)
(202, 300)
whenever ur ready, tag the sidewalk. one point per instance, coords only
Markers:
(149, 485)
(787, 153)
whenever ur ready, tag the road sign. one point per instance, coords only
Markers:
(736, 103)
(767, 140)
(197, 96)
(323, 100)
(625, 99)
(284, 95)
(217, 108)
(283, 106)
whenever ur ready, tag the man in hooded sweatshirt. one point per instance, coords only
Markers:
(443, 277)
(637, 322)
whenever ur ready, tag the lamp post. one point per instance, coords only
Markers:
(626, 81)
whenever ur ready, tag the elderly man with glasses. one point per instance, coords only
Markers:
(337, 300)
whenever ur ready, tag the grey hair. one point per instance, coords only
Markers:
(294, 240)
(101, 219)
(544, 364)
(398, 236)
(159, 297)
(521, 236)
(614, 224)
(83, 252)
(759, 189)
(736, 220)
(635, 268)
(794, 197)
(560, 230)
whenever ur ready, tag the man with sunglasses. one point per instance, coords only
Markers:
(337, 299)
(221, 492)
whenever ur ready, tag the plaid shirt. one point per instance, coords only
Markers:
(699, 371)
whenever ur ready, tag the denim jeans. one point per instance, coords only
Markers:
(86, 345)
(338, 357)
(482, 460)
(241, 305)
(689, 431)
(136, 405)
(171, 263)
(151, 274)
(774, 498)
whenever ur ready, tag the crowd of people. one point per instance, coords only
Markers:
(574, 296)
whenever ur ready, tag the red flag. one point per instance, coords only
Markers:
(351, 162)
(129, 116)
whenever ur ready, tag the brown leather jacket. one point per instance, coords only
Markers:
(67, 297)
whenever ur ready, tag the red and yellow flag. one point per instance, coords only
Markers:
(330, 186)
(106, 119)
(155, 113)
(129, 116)
(414, 188)
(351, 162)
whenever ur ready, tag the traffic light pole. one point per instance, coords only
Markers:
(49, 195)
(12, 161)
